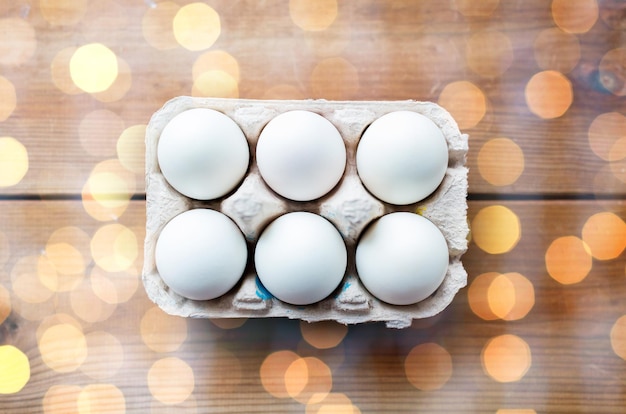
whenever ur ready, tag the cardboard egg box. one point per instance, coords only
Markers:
(349, 206)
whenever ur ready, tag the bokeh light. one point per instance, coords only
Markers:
(196, 26)
(549, 94)
(100, 398)
(507, 296)
(60, 72)
(63, 12)
(216, 60)
(612, 71)
(324, 334)
(15, 371)
(98, 132)
(63, 347)
(511, 296)
(171, 380)
(107, 192)
(335, 79)
(500, 161)
(466, 103)
(477, 295)
(489, 53)
(119, 87)
(105, 355)
(93, 67)
(5, 249)
(308, 380)
(114, 247)
(273, 370)
(568, 260)
(428, 366)
(506, 358)
(618, 337)
(61, 399)
(30, 277)
(68, 263)
(556, 50)
(216, 84)
(131, 148)
(229, 323)
(516, 411)
(13, 161)
(9, 98)
(496, 229)
(313, 15)
(114, 287)
(333, 403)
(156, 25)
(472, 8)
(88, 306)
(575, 16)
(18, 41)
(605, 234)
(162, 332)
(5, 304)
(607, 135)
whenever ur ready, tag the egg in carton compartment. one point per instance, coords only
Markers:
(349, 206)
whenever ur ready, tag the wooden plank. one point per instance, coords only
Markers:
(398, 50)
(571, 366)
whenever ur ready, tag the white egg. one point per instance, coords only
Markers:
(203, 153)
(402, 258)
(300, 258)
(201, 254)
(301, 155)
(402, 157)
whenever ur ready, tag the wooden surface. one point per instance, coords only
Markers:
(546, 206)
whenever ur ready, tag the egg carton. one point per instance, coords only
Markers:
(349, 206)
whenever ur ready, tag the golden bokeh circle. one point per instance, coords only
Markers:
(428, 366)
(506, 358)
(18, 41)
(100, 398)
(13, 161)
(131, 148)
(473, 8)
(313, 15)
(308, 380)
(196, 26)
(272, 372)
(216, 84)
(549, 94)
(477, 296)
(61, 398)
(323, 334)
(9, 98)
(162, 332)
(63, 12)
(516, 411)
(496, 229)
(60, 72)
(15, 371)
(5, 304)
(171, 380)
(114, 247)
(105, 356)
(30, 278)
(465, 101)
(156, 25)
(93, 67)
(114, 287)
(618, 337)
(568, 260)
(119, 87)
(500, 161)
(612, 71)
(335, 78)
(606, 135)
(216, 60)
(68, 263)
(108, 190)
(63, 347)
(98, 132)
(88, 306)
(605, 235)
(557, 50)
(575, 16)
(228, 323)
(333, 403)
(511, 296)
(489, 53)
